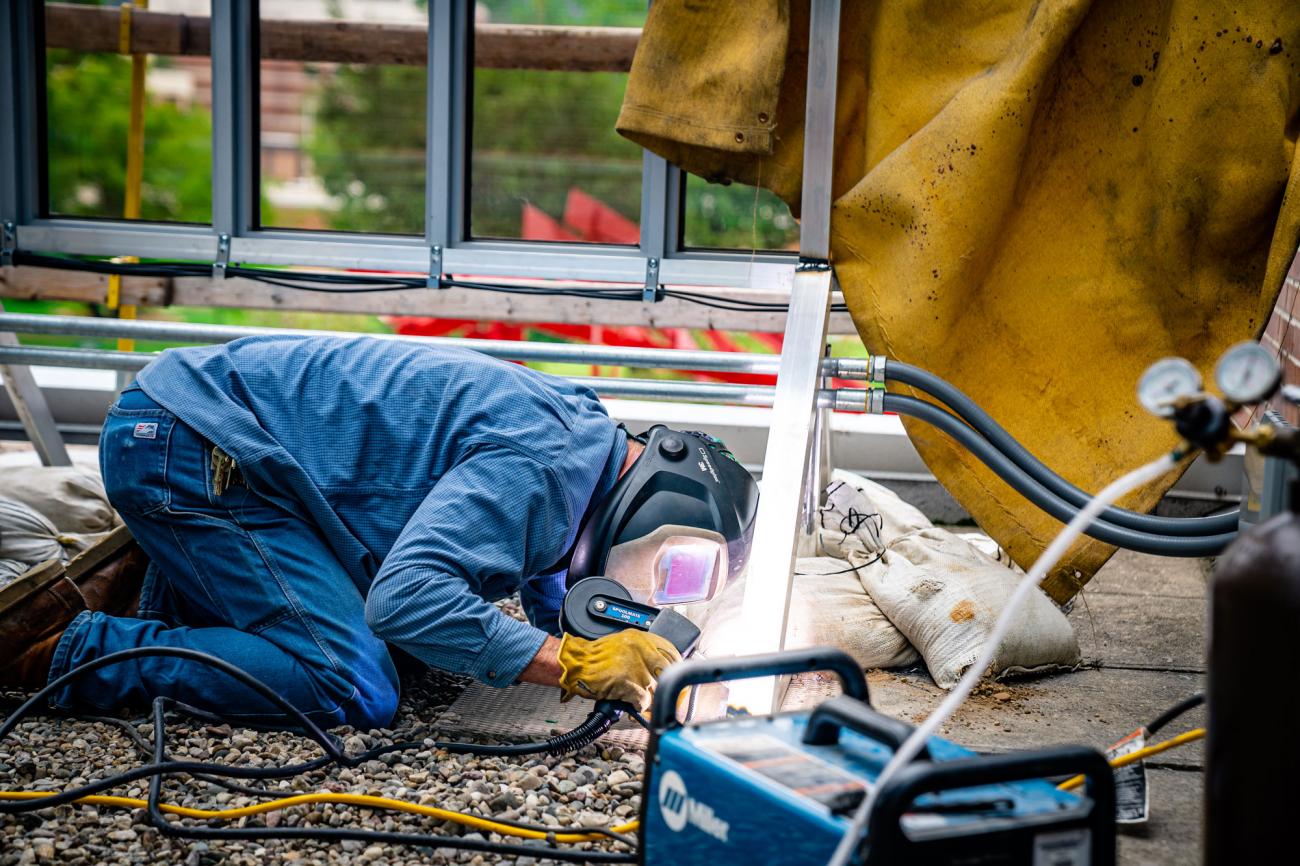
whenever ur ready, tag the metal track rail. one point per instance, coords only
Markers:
(659, 359)
(842, 399)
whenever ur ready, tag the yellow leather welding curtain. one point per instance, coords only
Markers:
(1034, 199)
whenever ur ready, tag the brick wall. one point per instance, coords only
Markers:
(1282, 337)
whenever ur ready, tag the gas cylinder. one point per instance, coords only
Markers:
(1252, 763)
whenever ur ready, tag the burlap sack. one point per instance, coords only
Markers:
(945, 596)
(70, 497)
(828, 606)
(25, 535)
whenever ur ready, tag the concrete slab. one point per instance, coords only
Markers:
(1141, 631)
(1173, 833)
(1094, 707)
(1129, 573)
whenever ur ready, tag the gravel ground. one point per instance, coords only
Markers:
(597, 787)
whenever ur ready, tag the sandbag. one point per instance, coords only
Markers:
(11, 569)
(70, 497)
(25, 535)
(827, 606)
(860, 516)
(945, 596)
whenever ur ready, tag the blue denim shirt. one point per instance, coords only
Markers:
(441, 479)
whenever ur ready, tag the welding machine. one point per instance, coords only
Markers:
(783, 788)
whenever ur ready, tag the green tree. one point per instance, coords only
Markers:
(88, 99)
(368, 147)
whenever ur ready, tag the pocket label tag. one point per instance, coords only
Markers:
(146, 430)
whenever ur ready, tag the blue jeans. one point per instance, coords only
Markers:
(232, 575)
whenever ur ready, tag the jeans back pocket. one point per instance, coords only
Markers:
(133, 450)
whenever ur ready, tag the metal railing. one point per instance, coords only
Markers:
(843, 399)
(622, 356)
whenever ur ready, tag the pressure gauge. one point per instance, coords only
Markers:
(1165, 382)
(1248, 373)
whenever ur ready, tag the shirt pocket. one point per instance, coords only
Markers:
(133, 451)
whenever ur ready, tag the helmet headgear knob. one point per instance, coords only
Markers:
(673, 448)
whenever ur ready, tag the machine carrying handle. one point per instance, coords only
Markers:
(885, 837)
(844, 712)
(663, 711)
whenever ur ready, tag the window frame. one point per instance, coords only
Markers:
(659, 257)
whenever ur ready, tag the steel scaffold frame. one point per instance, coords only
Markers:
(797, 459)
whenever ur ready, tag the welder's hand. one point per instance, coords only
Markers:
(619, 667)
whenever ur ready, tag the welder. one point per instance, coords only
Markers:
(309, 506)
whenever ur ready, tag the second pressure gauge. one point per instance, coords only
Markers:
(1248, 373)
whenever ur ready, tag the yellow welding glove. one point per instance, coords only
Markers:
(619, 667)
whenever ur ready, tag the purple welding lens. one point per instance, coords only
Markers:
(686, 571)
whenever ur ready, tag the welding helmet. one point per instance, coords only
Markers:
(677, 526)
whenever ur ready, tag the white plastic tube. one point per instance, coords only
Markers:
(1052, 555)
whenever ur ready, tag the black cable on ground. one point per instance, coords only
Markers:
(162, 766)
(331, 834)
(970, 412)
(1175, 711)
(1022, 483)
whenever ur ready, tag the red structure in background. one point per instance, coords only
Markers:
(588, 219)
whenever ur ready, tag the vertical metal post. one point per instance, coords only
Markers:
(447, 122)
(9, 132)
(33, 411)
(790, 439)
(660, 207)
(818, 477)
(20, 47)
(134, 168)
(235, 178)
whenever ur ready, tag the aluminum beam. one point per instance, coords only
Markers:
(10, 176)
(446, 144)
(234, 73)
(193, 332)
(29, 404)
(613, 386)
(790, 443)
(21, 33)
(524, 259)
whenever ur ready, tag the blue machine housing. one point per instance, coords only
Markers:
(783, 789)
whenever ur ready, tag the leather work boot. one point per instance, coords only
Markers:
(31, 670)
(37, 607)
(110, 572)
(34, 611)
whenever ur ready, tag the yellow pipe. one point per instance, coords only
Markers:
(1132, 757)
(363, 800)
(134, 157)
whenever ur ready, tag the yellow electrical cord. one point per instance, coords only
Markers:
(365, 800)
(1124, 760)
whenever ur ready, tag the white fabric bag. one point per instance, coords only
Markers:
(945, 596)
(25, 535)
(828, 606)
(10, 570)
(942, 590)
(70, 497)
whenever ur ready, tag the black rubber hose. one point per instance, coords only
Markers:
(1175, 711)
(1022, 483)
(601, 719)
(325, 834)
(970, 412)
